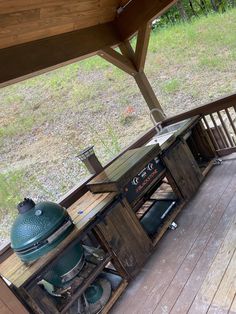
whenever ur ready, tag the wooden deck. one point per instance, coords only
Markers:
(193, 269)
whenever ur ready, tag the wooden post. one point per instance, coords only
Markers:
(149, 95)
(133, 62)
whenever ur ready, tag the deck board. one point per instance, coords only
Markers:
(173, 279)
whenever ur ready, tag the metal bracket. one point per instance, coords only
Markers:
(173, 225)
(217, 162)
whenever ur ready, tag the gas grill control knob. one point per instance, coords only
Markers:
(150, 166)
(135, 181)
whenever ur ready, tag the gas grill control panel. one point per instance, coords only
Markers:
(135, 188)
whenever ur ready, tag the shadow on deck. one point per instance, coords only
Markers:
(193, 269)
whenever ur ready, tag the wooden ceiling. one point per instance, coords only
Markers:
(39, 35)
(26, 20)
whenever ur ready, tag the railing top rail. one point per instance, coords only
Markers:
(214, 106)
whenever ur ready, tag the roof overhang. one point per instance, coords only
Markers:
(32, 57)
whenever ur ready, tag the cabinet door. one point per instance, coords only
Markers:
(183, 168)
(127, 239)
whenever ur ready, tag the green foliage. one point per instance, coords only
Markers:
(171, 86)
(191, 9)
(10, 187)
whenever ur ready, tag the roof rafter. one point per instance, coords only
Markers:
(137, 13)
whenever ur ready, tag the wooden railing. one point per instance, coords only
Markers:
(218, 117)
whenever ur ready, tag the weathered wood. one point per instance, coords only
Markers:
(122, 171)
(83, 213)
(202, 141)
(149, 95)
(197, 239)
(49, 53)
(118, 60)
(23, 21)
(184, 169)
(214, 277)
(211, 134)
(126, 238)
(217, 105)
(230, 120)
(226, 291)
(142, 46)
(8, 301)
(132, 63)
(225, 129)
(226, 151)
(221, 138)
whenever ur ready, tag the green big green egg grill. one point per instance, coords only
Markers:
(37, 230)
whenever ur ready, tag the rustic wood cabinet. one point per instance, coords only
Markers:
(126, 238)
(183, 167)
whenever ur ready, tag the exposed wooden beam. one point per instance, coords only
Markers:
(149, 95)
(127, 63)
(142, 81)
(142, 46)
(137, 13)
(26, 60)
(118, 60)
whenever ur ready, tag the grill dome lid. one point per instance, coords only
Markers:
(35, 224)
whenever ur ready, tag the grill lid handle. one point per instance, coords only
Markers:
(25, 206)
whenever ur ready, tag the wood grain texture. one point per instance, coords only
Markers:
(184, 169)
(9, 302)
(22, 21)
(180, 264)
(26, 60)
(126, 238)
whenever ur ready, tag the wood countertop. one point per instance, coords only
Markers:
(83, 212)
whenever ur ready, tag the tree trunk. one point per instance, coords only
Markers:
(181, 9)
(214, 6)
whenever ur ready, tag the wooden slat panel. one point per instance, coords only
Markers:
(230, 120)
(226, 291)
(211, 134)
(217, 105)
(23, 21)
(211, 283)
(192, 272)
(218, 131)
(159, 273)
(225, 129)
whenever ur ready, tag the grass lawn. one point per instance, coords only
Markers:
(46, 120)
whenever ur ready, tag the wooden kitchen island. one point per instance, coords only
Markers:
(114, 210)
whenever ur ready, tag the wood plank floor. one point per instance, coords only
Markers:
(193, 269)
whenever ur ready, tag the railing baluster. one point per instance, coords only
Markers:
(225, 129)
(230, 120)
(211, 134)
(218, 131)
